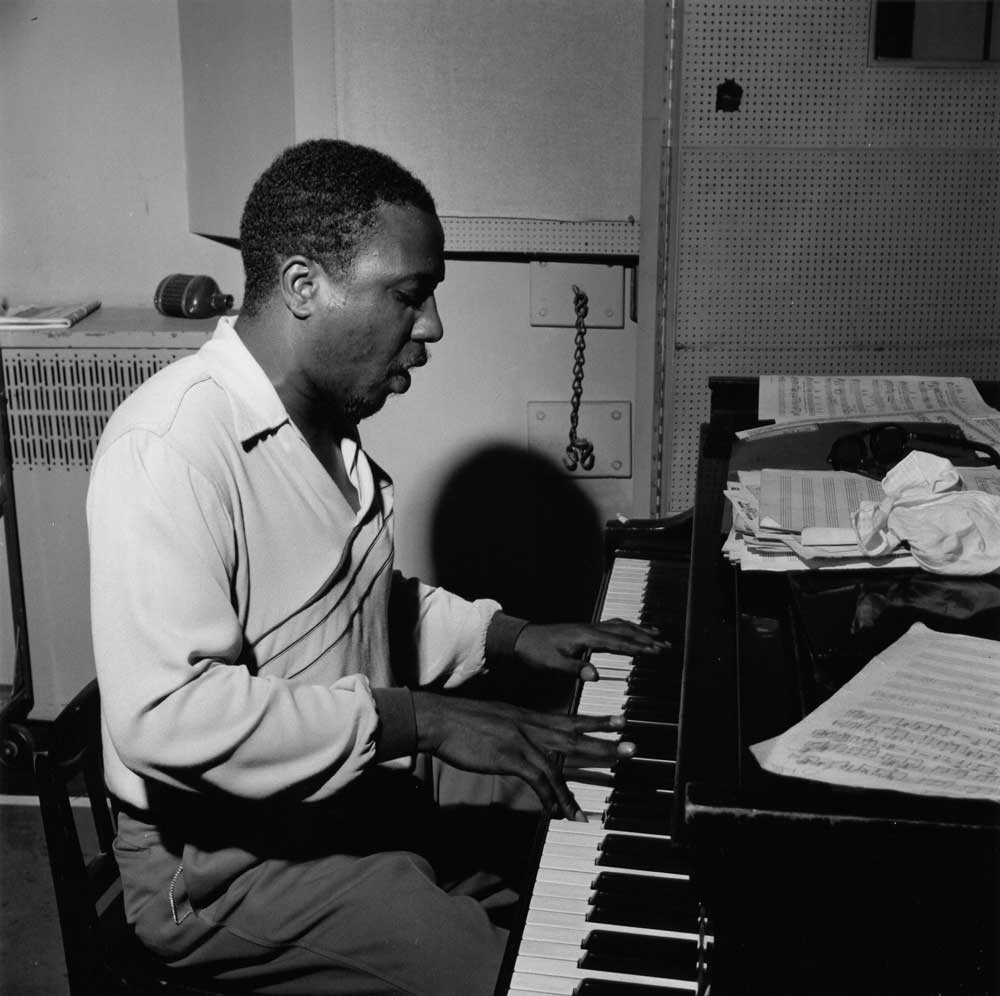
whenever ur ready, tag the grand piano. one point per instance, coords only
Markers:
(700, 872)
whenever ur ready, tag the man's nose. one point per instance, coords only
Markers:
(428, 327)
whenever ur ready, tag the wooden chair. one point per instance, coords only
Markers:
(102, 955)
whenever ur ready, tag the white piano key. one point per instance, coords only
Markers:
(596, 792)
(555, 925)
(566, 877)
(560, 864)
(624, 574)
(559, 888)
(572, 829)
(612, 658)
(601, 691)
(555, 904)
(606, 702)
(560, 969)
(592, 809)
(598, 691)
(541, 985)
(591, 776)
(626, 587)
(582, 849)
(568, 950)
(567, 863)
(609, 679)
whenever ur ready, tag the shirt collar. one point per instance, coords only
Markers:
(255, 404)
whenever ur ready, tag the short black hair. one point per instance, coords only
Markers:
(318, 199)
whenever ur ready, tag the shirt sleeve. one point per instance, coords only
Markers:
(181, 702)
(439, 638)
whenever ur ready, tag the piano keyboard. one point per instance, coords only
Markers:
(611, 912)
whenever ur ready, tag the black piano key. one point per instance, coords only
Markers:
(633, 824)
(658, 708)
(648, 806)
(639, 707)
(641, 816)
(640, 773)
(668, 666)
(601, 987)
(642, 796)
(635, 888)
(674, 901)
(653, 685)
(639, 852)
(640, 954)
(657, 682)
(657, 740)
(658, 917)
(648, 681)
(643, 801)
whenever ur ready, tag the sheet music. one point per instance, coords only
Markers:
(922, 717)
(980, 429)
(787, 398)
(794, 500)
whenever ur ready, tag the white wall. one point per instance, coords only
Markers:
(92, 179)
(475, 390)
(92, 191)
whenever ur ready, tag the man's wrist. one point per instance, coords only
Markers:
(397, 729)
(501, 635)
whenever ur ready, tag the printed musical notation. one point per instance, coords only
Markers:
(922, 717)
(793, 398)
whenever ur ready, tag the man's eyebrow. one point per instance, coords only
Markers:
(422, 277)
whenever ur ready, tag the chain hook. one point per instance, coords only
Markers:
(579, 451)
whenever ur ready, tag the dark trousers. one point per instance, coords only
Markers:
(403, 886)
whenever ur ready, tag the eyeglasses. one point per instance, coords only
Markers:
(876, 450)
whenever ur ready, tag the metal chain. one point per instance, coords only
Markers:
(580, 451)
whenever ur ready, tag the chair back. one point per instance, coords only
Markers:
(67, 760)
(103, 956)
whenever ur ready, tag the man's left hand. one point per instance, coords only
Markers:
(560, 647)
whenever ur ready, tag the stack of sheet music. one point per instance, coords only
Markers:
(789, 520)
(786, 520)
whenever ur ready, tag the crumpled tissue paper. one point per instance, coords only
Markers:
(949, 531)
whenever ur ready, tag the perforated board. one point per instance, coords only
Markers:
(540, 237)
(59, 400)
(845, 220)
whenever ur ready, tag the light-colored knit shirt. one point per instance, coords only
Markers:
(240, 607)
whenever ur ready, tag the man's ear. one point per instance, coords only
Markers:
(299, 279)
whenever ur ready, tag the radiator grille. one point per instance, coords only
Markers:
(60, 399)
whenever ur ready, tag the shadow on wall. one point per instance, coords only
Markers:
(511, 525)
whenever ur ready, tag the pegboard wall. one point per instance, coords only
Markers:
(846, 219)
(540, 237)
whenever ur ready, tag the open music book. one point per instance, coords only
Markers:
(922, 717)
(790, 398)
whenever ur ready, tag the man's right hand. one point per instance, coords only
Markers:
(498, 738)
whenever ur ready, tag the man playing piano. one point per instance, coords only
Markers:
(302, 792)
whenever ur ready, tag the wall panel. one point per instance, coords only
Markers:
(846, 219)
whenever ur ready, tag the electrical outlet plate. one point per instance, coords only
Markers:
(551, 294)
(607, 424)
